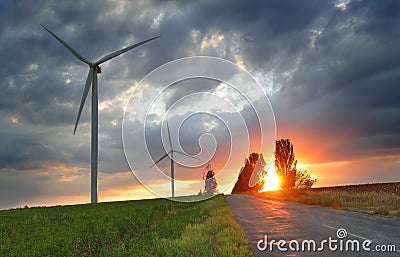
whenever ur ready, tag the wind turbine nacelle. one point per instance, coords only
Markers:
(97, 68)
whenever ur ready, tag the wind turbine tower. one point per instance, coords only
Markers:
(171, 157)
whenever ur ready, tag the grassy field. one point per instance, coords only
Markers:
(133, 228)
(382, 199)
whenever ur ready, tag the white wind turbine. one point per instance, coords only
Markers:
(171, 157)
(91, 80)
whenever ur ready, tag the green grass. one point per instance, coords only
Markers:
(133, 228)
(380, 203)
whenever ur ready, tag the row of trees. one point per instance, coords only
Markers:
(285, 165)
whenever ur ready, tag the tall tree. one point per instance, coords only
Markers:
(285, 163)
(254, 163)
(210, 186)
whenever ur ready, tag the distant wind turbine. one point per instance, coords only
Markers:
(171, 157)
(91, 80)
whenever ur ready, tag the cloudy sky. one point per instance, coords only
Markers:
(329, 68)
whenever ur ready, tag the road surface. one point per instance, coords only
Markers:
(301, 225)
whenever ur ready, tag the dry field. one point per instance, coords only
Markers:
(379, 198)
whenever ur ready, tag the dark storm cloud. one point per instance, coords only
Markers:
(343, 65)
(272, 33)
(29, 147)
(270, 25)
(36, 68)
(349, 80)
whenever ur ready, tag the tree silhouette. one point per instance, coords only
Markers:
(304, 180)
(255, 163)
(210, 186)
(285, 163)
(285, 166)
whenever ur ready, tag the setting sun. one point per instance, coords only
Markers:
(271, 180)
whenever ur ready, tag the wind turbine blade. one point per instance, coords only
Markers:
(75, 53)
(116, 53)
(84, 96)
(169, 138)
(186, 154)
(165, 155)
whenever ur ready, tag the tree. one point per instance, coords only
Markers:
(285, 166)
(304, 180)
(210, 186)
(285, 163)
(254, 163)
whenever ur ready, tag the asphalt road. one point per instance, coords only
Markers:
(299, 224)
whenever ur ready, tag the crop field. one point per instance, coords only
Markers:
(391, 188)
(156, 227)
(379, 198)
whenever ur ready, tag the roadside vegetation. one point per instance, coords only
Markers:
(132, 228)
(380, 199)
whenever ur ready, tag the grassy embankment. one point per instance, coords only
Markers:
(133, 228)
(382, 199)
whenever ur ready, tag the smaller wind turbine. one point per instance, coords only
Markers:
(171, 157)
